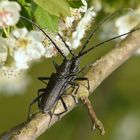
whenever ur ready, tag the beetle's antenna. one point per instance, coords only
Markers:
(71, 52)
(100, 24)
(106, 41)
(45, 35)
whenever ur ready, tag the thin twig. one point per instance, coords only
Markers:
(101, 69)
(97, 124)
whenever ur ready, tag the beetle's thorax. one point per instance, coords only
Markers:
(69, 67)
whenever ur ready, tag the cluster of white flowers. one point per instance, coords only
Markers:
(73, 28)
(20, 47)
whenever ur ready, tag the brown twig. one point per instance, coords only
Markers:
(97, 124)
(97, 73)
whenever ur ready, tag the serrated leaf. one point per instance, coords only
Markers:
(45, 20)
(55, 7)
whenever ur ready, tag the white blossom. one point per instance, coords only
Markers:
(76, 14)
(127, 22)
(106, 33)
(27, 46)
(74, 27)
(82, 26)
(21, 59)
(84, 7)
(51, 49)
(9, 13)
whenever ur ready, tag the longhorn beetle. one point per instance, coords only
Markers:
(66, 73)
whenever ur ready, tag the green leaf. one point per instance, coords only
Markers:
(26, 11)
(55, 7)
(25, 8)
(45, 20)
(75, 3)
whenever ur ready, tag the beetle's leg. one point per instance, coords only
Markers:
(75, 85)
(64, 105)
(84, 79)
(74, 94)
(44, 79)
(51, 113)
(30, 106)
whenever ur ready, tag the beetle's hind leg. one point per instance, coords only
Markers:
(51, 113)
(30, 106)
(64, 105)
(37, 99)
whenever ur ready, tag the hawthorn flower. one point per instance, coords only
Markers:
(26, 47)
(76, 15)
(51, 49)
(82, 26)
(9, 13)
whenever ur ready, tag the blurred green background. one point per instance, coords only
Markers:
(116, 101)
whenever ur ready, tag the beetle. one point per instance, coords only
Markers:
(66, 73)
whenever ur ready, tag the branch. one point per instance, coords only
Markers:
(98, 71)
